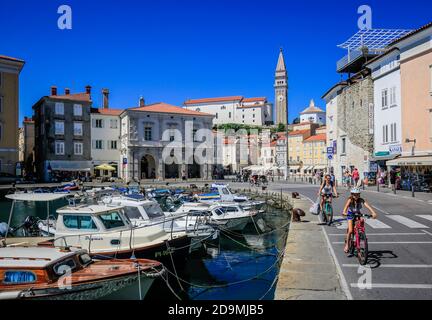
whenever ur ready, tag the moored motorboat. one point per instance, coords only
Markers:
(222, 193)
(106, 232)
(64, 274)
(224, 215)
(143, 212)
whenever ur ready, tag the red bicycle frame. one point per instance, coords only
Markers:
(359, 227)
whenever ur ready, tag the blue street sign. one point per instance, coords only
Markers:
(330, 156)
(329, 150)
(125, 160)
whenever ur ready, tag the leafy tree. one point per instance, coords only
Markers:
(281, 127)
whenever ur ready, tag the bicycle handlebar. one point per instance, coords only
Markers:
(365, 215)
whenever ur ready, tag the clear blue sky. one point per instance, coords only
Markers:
(173, 50)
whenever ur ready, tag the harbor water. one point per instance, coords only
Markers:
(235, 266)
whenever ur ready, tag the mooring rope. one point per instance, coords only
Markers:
(232, 283)
(173, 264)
(274, 246)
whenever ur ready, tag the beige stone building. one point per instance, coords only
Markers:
(416, 91)
(10, 69)
(28, 154)
(314, 153)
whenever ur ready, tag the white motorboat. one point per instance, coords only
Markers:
(143, 212)
(106, 232)
(225, 215)
(222, 193)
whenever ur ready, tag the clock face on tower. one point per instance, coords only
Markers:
(281, 98)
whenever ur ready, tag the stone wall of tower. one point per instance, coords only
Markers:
(281, 106)
(281, 91)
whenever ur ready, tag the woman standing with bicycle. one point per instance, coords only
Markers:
(352, 207)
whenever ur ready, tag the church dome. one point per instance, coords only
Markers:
(312, 108)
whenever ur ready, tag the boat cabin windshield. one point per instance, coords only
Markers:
(225, 191)
(153, 211)
(65, 266)
(219, 211)
(111, 220)
(132, 212)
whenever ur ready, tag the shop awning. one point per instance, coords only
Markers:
(70, 166)
(320, 167)
(411, 161)
(294, 167)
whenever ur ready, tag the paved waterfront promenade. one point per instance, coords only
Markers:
(308, 270)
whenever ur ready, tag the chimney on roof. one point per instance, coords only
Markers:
(67, 91)
(105, 94)
(88, 89)
(141, 102)
(53, 90)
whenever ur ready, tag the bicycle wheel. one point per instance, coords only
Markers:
(351, 246)
(329, 214)
(362, 253)
(323, 214)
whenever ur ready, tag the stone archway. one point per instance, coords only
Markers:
(148, 167)
(194, 170)
(172, 171)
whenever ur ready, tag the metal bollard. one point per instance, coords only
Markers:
(378, 186)
(412, 191)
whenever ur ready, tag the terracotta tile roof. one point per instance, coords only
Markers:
(73, 97)
(260, 99)
(107, 112)
(11, 58)
(281, 135)
(167, 108)
(411, 33)
(212, 100)
(318, 137)
(299, 132)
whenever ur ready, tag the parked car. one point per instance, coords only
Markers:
(7, 178)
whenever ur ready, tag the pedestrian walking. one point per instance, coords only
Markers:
(393, 179)
(356, 177)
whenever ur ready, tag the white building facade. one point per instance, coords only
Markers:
(105, 135)
(235, 109)
(158, 142)
(387, 108)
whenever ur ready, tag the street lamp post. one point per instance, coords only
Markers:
(414, 141)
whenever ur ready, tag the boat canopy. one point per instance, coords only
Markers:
(37, 197)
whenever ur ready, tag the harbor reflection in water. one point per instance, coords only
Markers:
(236, 266)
